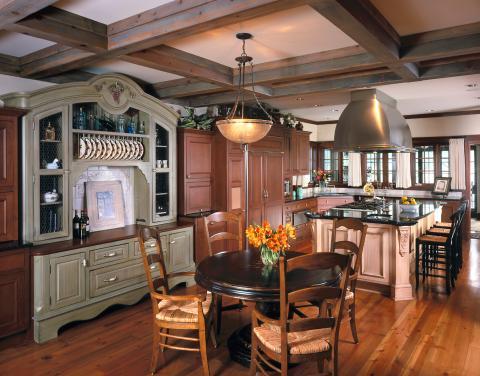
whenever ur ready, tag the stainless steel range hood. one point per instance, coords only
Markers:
(371, 122)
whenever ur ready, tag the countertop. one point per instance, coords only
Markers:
(394, 216)
(318, 195)
(100, 237)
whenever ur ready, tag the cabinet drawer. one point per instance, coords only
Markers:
(109, 254)
(115, 277)
(150, 246)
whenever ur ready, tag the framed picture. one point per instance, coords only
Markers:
(105, 205)
(441, 186)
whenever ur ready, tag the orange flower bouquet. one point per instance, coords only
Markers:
(270, 242)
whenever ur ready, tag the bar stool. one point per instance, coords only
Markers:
(438, 250)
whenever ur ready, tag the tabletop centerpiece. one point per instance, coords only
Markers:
(271, 242)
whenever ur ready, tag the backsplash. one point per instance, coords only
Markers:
(103, 173)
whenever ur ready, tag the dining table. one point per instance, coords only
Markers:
(242, 275)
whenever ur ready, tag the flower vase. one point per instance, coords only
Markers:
(268, 256)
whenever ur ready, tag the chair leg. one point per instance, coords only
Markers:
(213, 335)
(448, 270)
(353, 325)
(155, 350)
(417, 260)
(253, 356)
(165, 340)
(321, 365)
(203, 352)
(219, 313)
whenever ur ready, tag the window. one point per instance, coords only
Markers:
(374, 167)
(345, 167)
(444, 161)
(330, 163)
(425, 164)
(391, 168)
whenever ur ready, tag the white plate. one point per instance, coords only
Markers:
(83, 148)
(132, 149)
(104, 148)
(89, 147)
(137, 149)
(108, 154)
(124, 149)
(118, 147)
(142, 150)
(99, 149)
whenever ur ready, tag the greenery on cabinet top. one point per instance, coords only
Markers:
(90, 116)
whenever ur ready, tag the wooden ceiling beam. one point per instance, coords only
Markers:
(173, 21)
(9, 65)
(65, 28)
(185, 87)
(172, 60)
(362, 22)
(14, 10)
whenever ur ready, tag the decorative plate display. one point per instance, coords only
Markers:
(133, 149)
(124, 149)
(137, 149)
(82, 148)
(128, 149)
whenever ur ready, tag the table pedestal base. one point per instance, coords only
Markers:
(239, 345)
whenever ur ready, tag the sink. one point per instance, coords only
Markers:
(378, 216)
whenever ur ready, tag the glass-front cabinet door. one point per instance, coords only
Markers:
(50, 180)
(162, 174)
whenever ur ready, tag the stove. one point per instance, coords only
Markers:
(365, 206)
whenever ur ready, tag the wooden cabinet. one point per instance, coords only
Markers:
(294, 211)
(14, 291)
(195, 173)
(266, 187)
(9, 167)
(296, 152)
(67, 280)
(78, 283)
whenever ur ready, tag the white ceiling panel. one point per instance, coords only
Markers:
(417, 16)
(439, 95)
(108, 11)
(294, 32)
(143, 73)
(18, 45)
(10, 84)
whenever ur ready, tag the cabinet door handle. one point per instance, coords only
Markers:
(266, 193)
(152, 267)
(172, 242)
(110, 254)
(113, 279)
(84, 262)
(189, 176)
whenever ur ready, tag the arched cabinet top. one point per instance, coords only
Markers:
(114, 92)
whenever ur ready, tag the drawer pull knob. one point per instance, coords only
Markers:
(113, 279)
(84, 262)
(110, 254)
(152, 267)
(173, 242)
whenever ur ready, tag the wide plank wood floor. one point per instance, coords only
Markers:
(435, 334)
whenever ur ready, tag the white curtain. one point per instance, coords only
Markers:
(354, 170)
(457, 162)
(404, 176)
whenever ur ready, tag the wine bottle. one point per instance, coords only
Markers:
(83, 234)
(76, 226)
(87, 224)
(82, 119)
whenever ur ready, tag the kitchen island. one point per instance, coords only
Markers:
(388, 256)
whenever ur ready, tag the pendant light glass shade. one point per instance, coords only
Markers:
(242, 130)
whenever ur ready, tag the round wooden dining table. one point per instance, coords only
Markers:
(242, 275)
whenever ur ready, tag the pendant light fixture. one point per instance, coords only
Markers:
(243, 130)
(236, 128)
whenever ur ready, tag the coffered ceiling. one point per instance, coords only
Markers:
(308, 54)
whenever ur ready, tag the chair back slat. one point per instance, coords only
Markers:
(153, 260)
(346, 245)
(318, 293)
(231, 220)
(310, 323)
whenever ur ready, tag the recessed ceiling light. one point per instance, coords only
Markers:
(472, 85)
(299, 99)
(316, 105)
(429, 110)
(334, 110)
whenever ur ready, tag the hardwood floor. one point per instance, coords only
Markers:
(432, 335)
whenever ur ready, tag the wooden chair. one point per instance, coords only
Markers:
(357, 250)
(305, 339)
(231, 220)
(184, 312)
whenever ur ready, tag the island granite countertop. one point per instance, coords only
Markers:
(393, 215)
